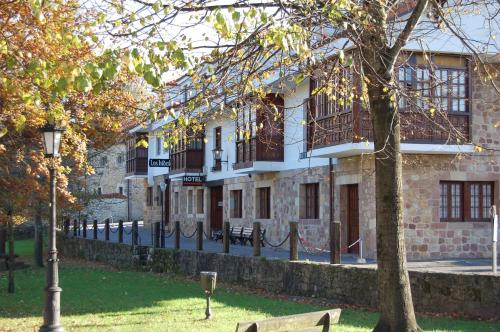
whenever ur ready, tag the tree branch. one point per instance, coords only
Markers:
(407, 30)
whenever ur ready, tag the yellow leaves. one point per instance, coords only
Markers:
(496, 125)
(432, 110)
(478, 148)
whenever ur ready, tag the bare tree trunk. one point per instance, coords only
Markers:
(3, 238)
(395, 300)
(10, 235)
(38, 238)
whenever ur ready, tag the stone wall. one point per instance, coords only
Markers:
(464, 295)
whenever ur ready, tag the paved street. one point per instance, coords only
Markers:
(482, 266)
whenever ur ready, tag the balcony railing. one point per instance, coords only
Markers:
(187, 161)
(137, 157)
(416, 127)
(258, 149)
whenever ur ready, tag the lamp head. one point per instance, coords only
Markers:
(51, 137)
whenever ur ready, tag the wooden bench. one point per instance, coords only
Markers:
(300, 322)
(235, 234)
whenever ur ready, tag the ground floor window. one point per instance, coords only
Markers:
(190, 202)
(236, 203)
(465, 201)
(149, 196)
(309, 206)
(199, 201)
(176, 202)
(263, 205)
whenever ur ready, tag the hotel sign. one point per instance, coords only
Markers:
(159, 162)
(193, 180)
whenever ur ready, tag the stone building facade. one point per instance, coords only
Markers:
(448, 184)
(108, 193)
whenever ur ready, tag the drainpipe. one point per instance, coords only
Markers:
(128, 200)
(334, 226)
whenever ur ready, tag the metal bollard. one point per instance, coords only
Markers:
(157, 235)
(84, 229)
(135, 233)
(335, 242)
(74, 228)
(225, 236)
(177, 235)
(294, 237)
(120, 231)
(256, 238)
(360, 259)
(106, 229)
(95, 229)
(199, 235)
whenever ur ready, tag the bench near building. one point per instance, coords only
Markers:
(311, 162)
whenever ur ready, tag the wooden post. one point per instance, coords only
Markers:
(120, 231)
(335, 242)
(294, 237)
(225, 236)
(177, 234)
(95, 229)
(78, 227)
(199, 235)
(106, 229)
(135, 233)
(256, 238)
(494, 225)
(84, 229)
(74, 228)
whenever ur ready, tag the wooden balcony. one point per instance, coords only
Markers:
(187, 161)
(416, 127)
(137, 156)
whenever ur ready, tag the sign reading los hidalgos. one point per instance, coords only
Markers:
(159, 162)
(193, 180)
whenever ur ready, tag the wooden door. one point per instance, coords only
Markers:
(352, 217)
(216, 208)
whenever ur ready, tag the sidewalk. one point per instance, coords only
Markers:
(480, 265)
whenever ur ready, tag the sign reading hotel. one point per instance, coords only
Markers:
(193, 180)
(159, 162)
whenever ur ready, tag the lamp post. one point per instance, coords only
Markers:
(51, 136)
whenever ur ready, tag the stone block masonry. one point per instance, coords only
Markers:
(463, 295)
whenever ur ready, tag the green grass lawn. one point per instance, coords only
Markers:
(100, 299)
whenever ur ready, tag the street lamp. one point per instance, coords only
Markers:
(217, 154)
(51, 137)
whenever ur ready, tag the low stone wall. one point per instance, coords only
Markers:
(465, 295)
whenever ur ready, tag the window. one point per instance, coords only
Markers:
(443, 88)
(465, 201)
(199, 201)
(332, 95)
(264, 203)
(149, 196)
(99, 191)
(158, 145)
(246, 128)
(176, 202)
(310, 205)
(190, 202)
(120, 190)
(119, 159)
(236, 204)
